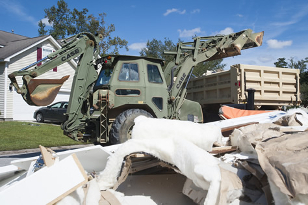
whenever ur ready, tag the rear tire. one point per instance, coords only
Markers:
(39, 117)
(122, 126)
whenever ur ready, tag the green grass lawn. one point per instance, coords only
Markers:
(27, 135)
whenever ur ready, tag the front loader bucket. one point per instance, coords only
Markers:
(254, 40)
(240, 41)
(42, 92)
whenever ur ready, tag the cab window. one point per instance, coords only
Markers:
(104, 77)
(56, 105)
(129, 72)
(158, 102)
(153, 74)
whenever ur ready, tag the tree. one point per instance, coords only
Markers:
(302, 66)
(214, 65)
(65, 22)
(41, 30)
(155, 49)
(281, 63)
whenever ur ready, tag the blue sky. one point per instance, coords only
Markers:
(284, 22)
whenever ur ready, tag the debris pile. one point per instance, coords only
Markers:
(256, 159)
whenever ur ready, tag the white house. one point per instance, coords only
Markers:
(17, 52)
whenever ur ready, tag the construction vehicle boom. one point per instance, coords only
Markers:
(102, 107)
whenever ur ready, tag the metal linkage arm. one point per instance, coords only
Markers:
(202, 49)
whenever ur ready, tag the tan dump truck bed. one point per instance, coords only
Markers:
(273, 86)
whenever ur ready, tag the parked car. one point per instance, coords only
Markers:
(53, 113)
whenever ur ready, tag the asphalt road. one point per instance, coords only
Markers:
(7, 156)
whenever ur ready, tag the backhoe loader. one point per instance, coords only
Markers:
(108, 92)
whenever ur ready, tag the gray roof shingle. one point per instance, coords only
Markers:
(14, 43)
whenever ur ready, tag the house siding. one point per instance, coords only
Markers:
(2, 91)
(62, 70)
(24, 59)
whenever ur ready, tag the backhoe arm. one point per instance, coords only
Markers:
(41, 92)
(204, 49)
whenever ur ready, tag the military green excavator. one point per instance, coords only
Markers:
(109, 92)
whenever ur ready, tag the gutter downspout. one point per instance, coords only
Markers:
(5, 88)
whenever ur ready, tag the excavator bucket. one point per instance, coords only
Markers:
(42, 92)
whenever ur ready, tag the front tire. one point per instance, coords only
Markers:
(122, 126)
(39, 117)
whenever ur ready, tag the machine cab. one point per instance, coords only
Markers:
(135, 82)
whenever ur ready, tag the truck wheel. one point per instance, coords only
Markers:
(122, 126)
(39, 117)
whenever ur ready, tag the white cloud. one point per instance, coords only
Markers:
(137, 46)
(189, 33)
(275, 44)
(45, 21)
(169, 11)
(195, 11)
(239, 15)
(226, 31)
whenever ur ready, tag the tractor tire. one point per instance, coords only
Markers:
(39, 117)
(122, 126)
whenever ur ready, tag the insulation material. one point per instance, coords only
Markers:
(246, 138)
(193, 162)
(202, 135)
(231, 189)
(294, 117)
(285, 161)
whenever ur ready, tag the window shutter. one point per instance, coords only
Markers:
(39, 53)
(55, 69)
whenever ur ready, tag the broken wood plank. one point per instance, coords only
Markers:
(49, 160)
(108, 198)
(222, 150)
(225, 129)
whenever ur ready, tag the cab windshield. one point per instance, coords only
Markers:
(104, 77)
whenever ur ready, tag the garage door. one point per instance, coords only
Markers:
(24, 112)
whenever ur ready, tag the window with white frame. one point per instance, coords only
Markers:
(45, 52)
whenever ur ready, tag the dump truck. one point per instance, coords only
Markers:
(109, 92)
(272, 87)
